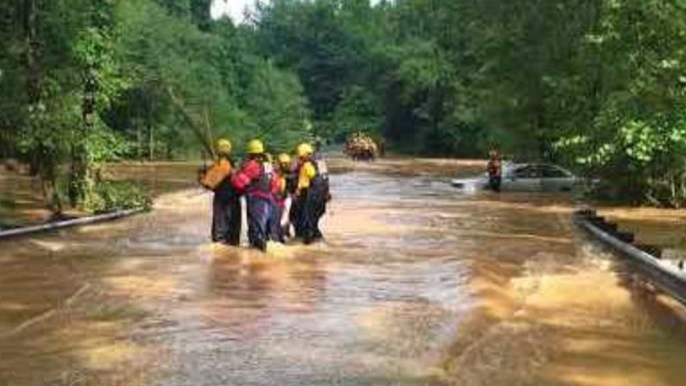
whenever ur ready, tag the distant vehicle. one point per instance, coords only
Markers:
(525, 178)
(361, 147)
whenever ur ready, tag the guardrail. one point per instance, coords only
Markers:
(669, 276)
(23, 231)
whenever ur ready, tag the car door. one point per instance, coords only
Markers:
(525, 178)
(556, 179)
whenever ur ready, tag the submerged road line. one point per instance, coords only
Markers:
(47, 314)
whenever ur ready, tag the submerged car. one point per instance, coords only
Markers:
(525, 178)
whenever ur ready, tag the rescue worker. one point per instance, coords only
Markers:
(292, 174)
(280, 228)
(226, 207)
(312, 194)
(292, 188)
(495, 171)
(258, 181)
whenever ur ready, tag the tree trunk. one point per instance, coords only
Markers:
(73, 172)
(49, 189)
(31, 50)
(44, 161)
(151, 134)
(139, 134)
(151, 130)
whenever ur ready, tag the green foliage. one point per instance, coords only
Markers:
(85, 82)
(597, 85)
(197, 86)
(311, 38)
(276, 108)
(6, 203)
(109, 196)
(633, 131)
(359, 111)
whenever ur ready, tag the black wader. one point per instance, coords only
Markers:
(295, 210)
(312, 206)
(226, 215)
(494, 183)
(276, 232)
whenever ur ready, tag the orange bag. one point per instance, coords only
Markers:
(216, 174)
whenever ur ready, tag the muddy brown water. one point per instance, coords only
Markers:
(416, 285)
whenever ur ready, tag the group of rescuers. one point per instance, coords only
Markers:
(269, 187)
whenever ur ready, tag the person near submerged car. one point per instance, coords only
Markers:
(495, 171)
(510, 176)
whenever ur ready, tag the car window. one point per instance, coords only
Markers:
(526, 172)
(552, 172)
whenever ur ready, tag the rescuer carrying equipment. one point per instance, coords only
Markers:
(258, 180)
(311, 196)
(226, 208)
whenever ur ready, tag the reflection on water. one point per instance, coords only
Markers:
(417, 285)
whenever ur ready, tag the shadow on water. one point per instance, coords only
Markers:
(416, 285)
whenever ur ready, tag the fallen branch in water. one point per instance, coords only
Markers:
(67, 224)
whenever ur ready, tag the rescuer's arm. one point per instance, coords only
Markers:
(248, 172)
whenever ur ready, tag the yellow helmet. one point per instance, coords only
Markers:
(304, 150)
(255, 147)
(223, 147)
(284, 159)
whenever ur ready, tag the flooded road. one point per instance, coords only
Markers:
(416, 285)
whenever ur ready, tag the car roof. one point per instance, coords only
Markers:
(514, 166)
(518, 165)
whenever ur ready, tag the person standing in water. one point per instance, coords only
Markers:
(259, 181)
(280, 228)
(312, 194)
(495, 171)
(226, 207)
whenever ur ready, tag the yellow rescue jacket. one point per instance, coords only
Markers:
(306, 175)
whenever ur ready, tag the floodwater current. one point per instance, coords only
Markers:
(417, 284)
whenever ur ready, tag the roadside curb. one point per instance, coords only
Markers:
(669, 277)
(24, 231)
